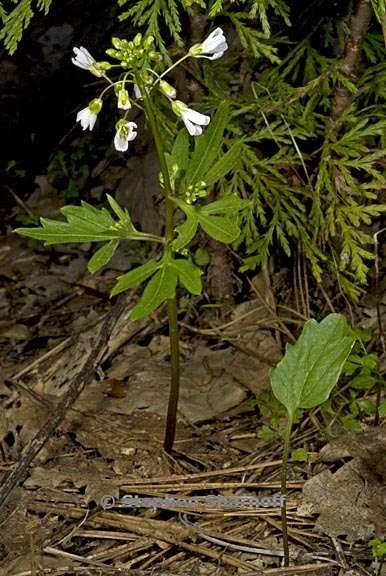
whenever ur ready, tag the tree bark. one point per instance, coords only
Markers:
(359, 24)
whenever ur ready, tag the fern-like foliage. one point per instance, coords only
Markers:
(18, 19)
(379, 7)
(253, 41)
(310, 186)
(256, 9)
(3, 14)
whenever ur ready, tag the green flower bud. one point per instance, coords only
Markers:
(104, 66)
(148, 43)
(138, 39)
(117, 43)
(113, 53)
(167, 89)
(95, 105)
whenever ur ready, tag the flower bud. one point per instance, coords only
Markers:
(167, 89)
(117, 43)
(95, 105)
(123, 99)
(148, 43)
(138, 39)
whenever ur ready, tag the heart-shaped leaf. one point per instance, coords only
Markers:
(310, 368)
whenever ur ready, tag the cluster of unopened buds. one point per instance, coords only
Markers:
(135, 57)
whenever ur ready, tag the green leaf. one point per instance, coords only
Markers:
(180, 150)
(220, 228)
(102, 256)
(224, 205)
(224, 165)
(202, 256)
(378, 547)
(311, 367)
(122, 214)
(160, 288)
(208, 146)
(299, 455)
(134, 277)
(56, 232)
(85, 223)
(186, 232)
(382, 409)
(88, 216)
(189, 275)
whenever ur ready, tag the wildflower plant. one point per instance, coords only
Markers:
(187, 175)
(305, 377)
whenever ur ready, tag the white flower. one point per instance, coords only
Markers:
(126, 131)
(87, 117)
(193, 120)
(84, 60)
(212, 48)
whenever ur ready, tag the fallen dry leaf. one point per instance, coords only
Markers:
(351, 501)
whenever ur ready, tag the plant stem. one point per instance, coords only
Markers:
(283, 489)
(171, 418)
(176, 63)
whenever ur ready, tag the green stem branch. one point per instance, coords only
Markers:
(284, 469)
(171, 418)
(176, 63)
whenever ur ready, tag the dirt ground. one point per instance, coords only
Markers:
(69, 509)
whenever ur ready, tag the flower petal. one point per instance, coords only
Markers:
(82, 58)
(193, 129)
(214, 39)
(137, 92)
(196, 117)
(132, 131)
(214, 56)
(121, 144)
(87, 118)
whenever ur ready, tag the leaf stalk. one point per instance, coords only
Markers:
(283, 490)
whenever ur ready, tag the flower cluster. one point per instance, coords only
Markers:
(134, 54)
(194, 191)
(136, 57)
